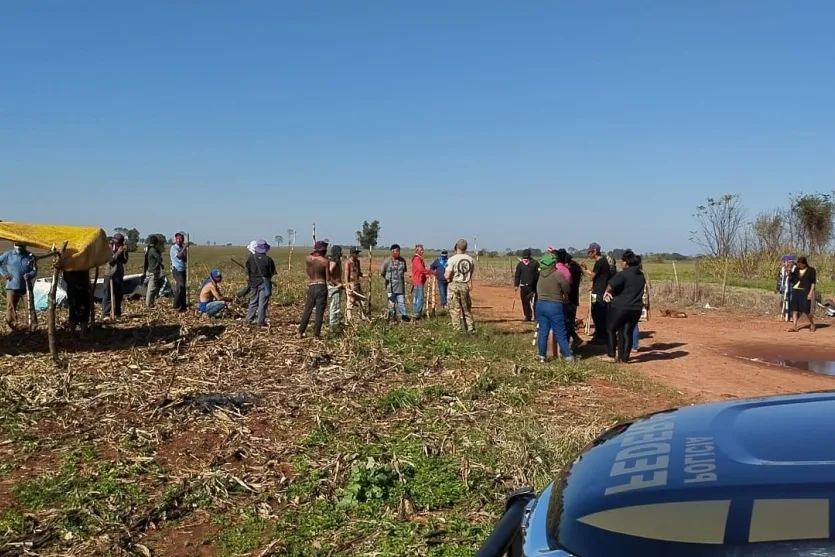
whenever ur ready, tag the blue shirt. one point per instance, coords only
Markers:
(15, 266)
(177, 264)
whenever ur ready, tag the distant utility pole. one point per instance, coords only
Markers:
(314, 232)
(475, 246)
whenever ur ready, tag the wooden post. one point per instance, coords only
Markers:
(53, 289)
(188, 247)
(291, 234)
(475, 246)
(314, 232)
(678, 285)
(696, 289)
(725, 279)
(112, 291)
(93, 298)
(370, 278)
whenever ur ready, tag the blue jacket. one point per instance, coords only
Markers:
(439, 266)
(15, 266)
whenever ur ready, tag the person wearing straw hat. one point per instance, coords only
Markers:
(18, 267)
(114, 275)
(260, 269)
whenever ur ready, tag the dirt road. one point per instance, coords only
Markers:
(707, 355)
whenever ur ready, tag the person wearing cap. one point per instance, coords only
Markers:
(575, 275)
(316, 265)
(244, 292)
(335, 287)
(260, 270)
(211, 301)
(439, 267)
(353, 274)
(527, 273)
(553, 293)
(179, 255)
(114, 275)
(420, 272)
(393, 271)
(599, 275)
(784, 285)
(459, 273)
(18, 267)
(152, 269)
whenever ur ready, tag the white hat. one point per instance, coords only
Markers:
(251, 246)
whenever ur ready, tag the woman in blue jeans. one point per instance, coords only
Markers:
(552, 290)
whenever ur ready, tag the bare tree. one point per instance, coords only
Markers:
(720, 222)
(769, 228)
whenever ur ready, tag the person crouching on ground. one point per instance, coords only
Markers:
(624, 294)
(803, 284)
(18, 267)
(527, 273)
(260, 270)
(335, 288)
(552, 297)
(212, 303)
(393, 272)
(114, 276)
(439, 267)
(459, 273)
(316, 266)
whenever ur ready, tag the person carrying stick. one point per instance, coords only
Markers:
(19, 269)
(114, 274)
(356, 299)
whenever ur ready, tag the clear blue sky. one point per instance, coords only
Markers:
(522, 123)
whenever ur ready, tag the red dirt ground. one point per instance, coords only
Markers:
(707, 355)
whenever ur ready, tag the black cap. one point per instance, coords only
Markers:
(526, 253)
(355, 249)
(394, 247)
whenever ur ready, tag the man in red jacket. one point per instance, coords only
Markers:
(419, 274)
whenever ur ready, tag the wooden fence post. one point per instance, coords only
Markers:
(696, 289)
(53, 289)
(678, 285)
(725, 279)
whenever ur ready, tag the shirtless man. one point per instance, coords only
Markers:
(353, 272)
(318, 273)
(335, 287)
(212, 302)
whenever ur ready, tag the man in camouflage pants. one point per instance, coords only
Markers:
(459, 274)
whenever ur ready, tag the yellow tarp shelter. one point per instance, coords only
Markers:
(87, 246)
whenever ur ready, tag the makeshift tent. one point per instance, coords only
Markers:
(87, 247)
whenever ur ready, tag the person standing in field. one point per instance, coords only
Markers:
(599, 275)
(260, 270)
(624, 294)
(114, 275)
(419, 275)
(552, 292)
(636, 336)
(211, 301)
(335, 288)
(527, 274)
(78, 300)
(459, 273)
(803, 283)
(153, 270)
(439, 267)
(353, 272)
(316, 266)
(784, 287)
(18, 268)
(245, 291)
(575, 275)
(393, 272)
(179, 255)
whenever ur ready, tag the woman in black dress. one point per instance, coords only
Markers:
(802, 282)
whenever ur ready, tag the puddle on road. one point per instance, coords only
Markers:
(824, 367)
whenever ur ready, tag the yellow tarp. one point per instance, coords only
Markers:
(88, 247)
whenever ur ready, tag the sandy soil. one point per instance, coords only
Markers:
(708, 355)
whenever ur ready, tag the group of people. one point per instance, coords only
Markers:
(550, 293)
(328, 280)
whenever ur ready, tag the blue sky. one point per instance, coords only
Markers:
(522, 123)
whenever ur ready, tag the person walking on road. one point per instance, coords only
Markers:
(439, 267)
(553, 292)
(803, 284)
(459, 273)
(527, 273)
(114, 276)
(393, 272)
(260, 270)
(179, 255)
(625, 295)
(18, 267)
(316, 266)
(420, 272)
(599, 275)
(153, 270)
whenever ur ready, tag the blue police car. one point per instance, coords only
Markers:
(743, 478)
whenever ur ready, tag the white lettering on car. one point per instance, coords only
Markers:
(644, 457)
(699, 460)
